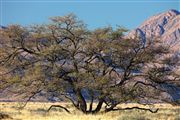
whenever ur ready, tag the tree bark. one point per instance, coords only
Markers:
(130, 108)
(81, 101)
(91, 104)
(59, 107)
(99, 106)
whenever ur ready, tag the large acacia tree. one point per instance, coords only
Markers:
(99, 66)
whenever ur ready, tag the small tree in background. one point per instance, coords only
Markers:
(64, 58)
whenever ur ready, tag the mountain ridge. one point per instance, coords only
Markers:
(165, 26)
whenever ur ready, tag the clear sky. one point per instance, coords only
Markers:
(95, 13)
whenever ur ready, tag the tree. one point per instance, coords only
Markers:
(64, 58)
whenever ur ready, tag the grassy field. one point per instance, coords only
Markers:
(38, 111)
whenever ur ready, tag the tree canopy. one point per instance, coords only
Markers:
(99, 66)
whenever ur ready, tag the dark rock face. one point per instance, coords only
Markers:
(2, 27)
(173, 91)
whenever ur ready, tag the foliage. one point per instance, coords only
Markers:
(64, 58)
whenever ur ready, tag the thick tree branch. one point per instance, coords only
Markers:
(130, 108)
(59, 106)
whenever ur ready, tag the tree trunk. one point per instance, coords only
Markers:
(91, 104)
(99, 106)
(81, 101)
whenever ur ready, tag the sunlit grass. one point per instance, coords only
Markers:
(38, 111)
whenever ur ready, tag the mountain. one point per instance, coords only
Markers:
(165, 27)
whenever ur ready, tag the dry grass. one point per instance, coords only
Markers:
(37, 111)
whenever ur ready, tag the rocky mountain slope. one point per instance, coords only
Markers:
(160, 25)
(165, 27)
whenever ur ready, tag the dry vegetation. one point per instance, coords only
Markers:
(38, 111)
(65, 59)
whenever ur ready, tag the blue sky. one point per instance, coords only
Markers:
(95, 13)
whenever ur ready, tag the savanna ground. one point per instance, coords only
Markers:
(38, 111)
